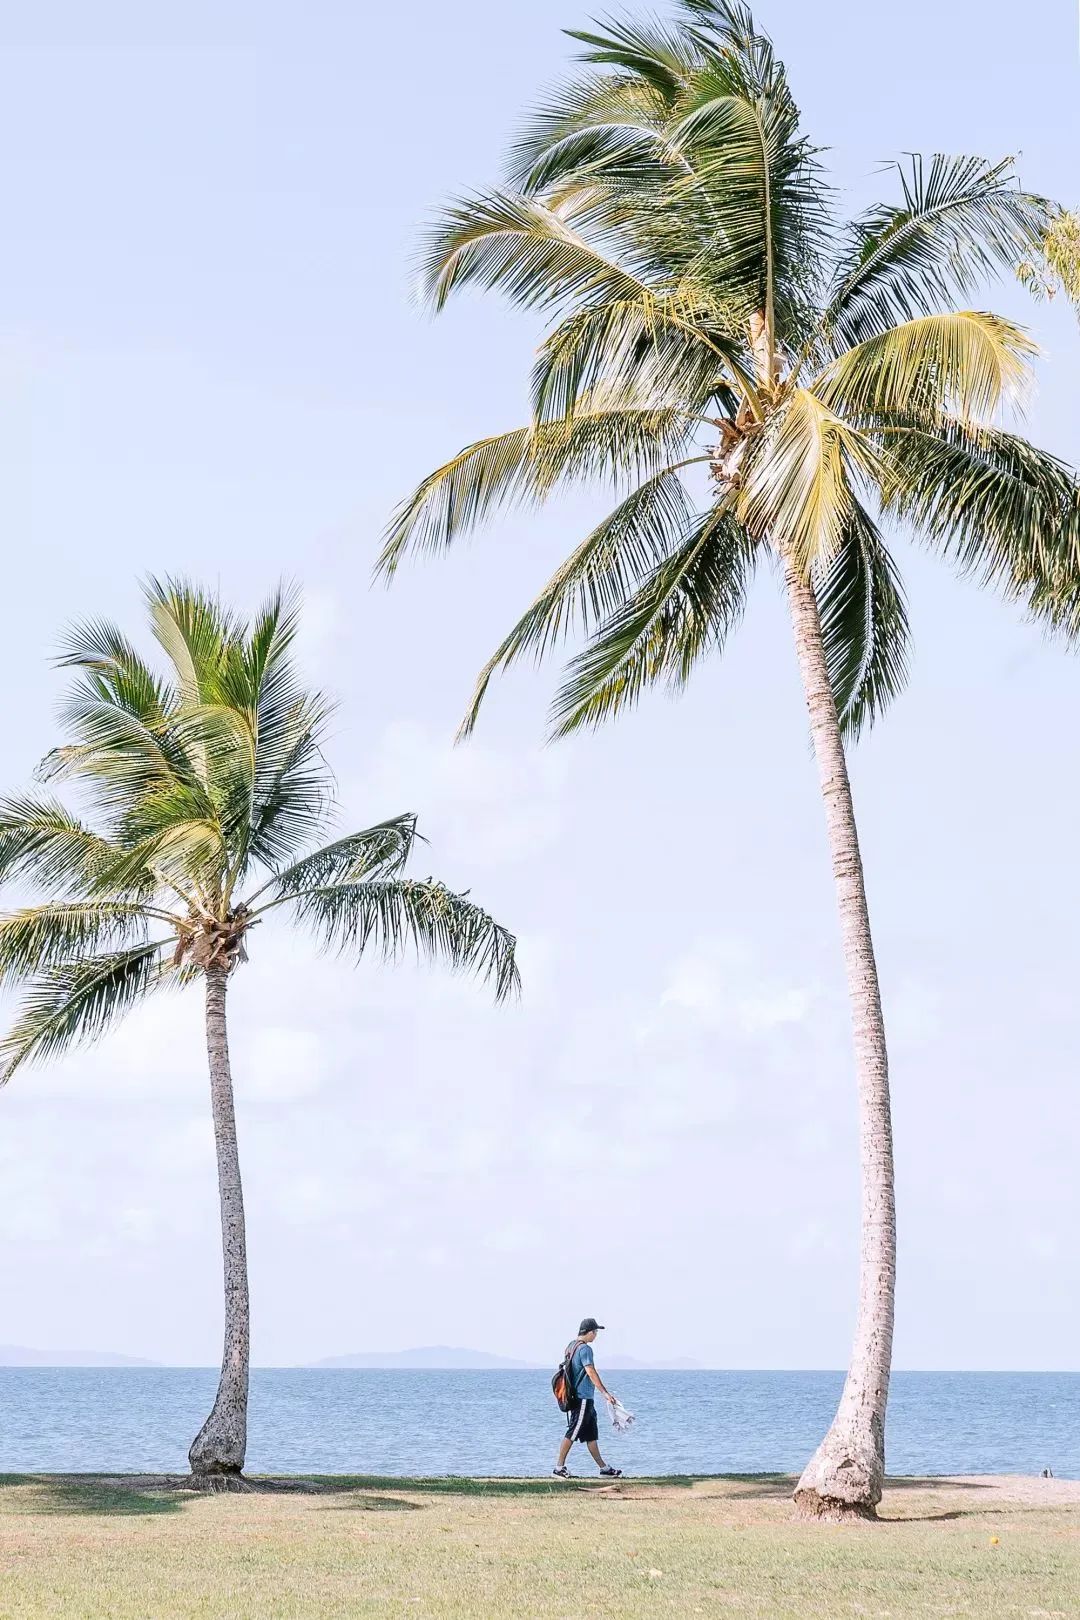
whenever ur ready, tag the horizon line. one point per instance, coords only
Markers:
(144, 1364)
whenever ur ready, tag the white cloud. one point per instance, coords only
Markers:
(478, 804)
(722, 985)
(515, 1237)
(281, 1062)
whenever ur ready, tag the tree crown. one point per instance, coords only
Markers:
(712, 324)
(205, 792)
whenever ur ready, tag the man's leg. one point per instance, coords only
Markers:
(594, 1451)
(564, 1452)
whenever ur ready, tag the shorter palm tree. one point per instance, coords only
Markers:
(207, 790)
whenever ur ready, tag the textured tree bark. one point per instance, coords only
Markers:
(220, 1445)
(845, 1476)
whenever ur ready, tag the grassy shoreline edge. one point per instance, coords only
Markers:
(125, 1546)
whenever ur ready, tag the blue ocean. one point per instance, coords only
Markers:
(68, 1419)
(135, 1420)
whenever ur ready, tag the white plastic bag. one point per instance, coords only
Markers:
(620, 1417)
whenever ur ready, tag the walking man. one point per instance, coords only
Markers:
(581, 1418)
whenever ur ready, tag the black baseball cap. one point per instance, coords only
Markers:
(589, 1324)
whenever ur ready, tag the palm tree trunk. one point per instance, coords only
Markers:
(844, 1478)
(221, 1443)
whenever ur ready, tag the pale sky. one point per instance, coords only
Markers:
(210, 363)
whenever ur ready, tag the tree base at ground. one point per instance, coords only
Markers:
(846, 1475)
(812, 1506)
(215, 1481)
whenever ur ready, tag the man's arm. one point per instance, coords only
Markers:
(599, 1382)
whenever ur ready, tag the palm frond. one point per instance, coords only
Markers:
(608, 441)
(687, 606)
(696, 169)
(390, 915)
(294, 801)
(194, 630)
(800, 480)
(119, 755)
(528, 251)
(661, 57)
(759, 195)
(379, 851)
(671, 350)
(115, 673)
(619, 150)
(280, 792)
(864, 624)
(964, 363)
(41, 840)
(45, 937)
(960, 221)
(597, 578)
(1054, 264)
(1008, 512)
(595, 120)
(77, 1002)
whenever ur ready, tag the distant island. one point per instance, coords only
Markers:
(442, 1357)
(430, 1357)
(438, 1356)
(21, 1355)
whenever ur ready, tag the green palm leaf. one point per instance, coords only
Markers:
(799, 487)
(527, 465)
(965, 363)
(1054, 264)
(77, 1002)
(41, 840)
(378, 851)
(596, 578)
(660, 57)
(960, 220)
(48, 936)
(864, 624)
(530, 252)
(687, 605)
(1007, 511)
(389, 915)
(675, 349)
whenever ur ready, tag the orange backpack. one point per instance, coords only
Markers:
(562, 1384)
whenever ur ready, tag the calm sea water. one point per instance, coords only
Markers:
(344, 1421)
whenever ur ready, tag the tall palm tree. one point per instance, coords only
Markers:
(757, 381)
(208, 791)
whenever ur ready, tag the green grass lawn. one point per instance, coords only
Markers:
(136, 1549)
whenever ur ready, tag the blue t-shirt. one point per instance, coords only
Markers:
(584, 1388)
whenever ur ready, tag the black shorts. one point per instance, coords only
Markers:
(581, 1422)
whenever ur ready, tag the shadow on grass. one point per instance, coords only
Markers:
(773, 1487)
(373, 1502)
(144, 1495)
(440, 1485)
(543, 1489)
(67, 1494)
(929, 1518)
